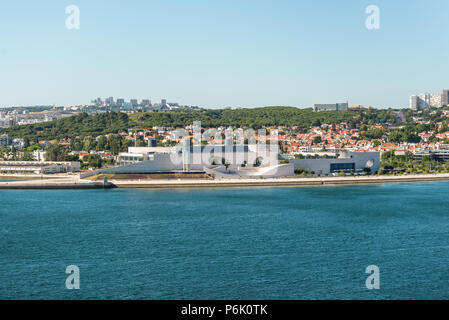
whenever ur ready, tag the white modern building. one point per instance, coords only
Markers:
(436, 100)
(38, 167)
(426, 100)
(227, 160)
(232, 161)
(356, 162)
(414, 102)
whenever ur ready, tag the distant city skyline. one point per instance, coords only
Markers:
(215, 55)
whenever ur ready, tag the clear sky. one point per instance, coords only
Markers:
(238, 53)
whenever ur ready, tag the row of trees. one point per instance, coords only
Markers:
(263, 117)
(406, 164)
(58, 153)
(79, 125)
(114, 143)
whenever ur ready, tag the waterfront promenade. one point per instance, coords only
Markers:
(56, 183)
(280, 182)
(74, 182)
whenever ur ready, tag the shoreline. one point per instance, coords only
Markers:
(54, 184)
(74, 182)
(28, 177)
(280, 182)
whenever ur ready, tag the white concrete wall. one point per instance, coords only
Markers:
(322, 166)
(277, 171)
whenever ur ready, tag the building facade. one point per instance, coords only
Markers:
(356, 162)
(38, 167)
(5, 140)
(436, 100)
(445, 98)
(330, 106)
(424, 101)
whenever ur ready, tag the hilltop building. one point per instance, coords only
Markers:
(436, 100)
(445, 98)
(424, 101)
(5, 140)
(331, 107)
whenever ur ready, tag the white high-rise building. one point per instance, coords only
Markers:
(420, 101)
(436, 100)
(426, 100)
(414, 102)
(445, 98)
(109, 101)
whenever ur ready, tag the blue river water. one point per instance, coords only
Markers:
(259, 243)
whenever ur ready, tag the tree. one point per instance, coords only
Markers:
(76, 145)
(376, 133)
(317, 140)
(444, 128)
(88, 144)
(433, 139)
(102, 143)
(395, 136)
(94, 161)
(114, 144)
(411, 137)
(27, 156)
(54, 153)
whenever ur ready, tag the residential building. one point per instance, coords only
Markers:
(426, 100)
(109, 101)
(39, 155)
(420, 101)
(445, 98)
(5, 140)
(437, 155)
(436, 100)
(414, 102)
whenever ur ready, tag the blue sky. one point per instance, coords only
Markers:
(238, 53)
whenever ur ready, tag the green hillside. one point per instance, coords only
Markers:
(114, 122)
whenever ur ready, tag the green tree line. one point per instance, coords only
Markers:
(82, 125)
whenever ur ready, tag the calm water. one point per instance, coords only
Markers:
(267, 243)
